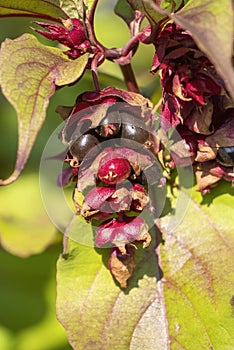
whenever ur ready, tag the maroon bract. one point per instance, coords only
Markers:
(102, 202)
(209, 173)
(195, 101)
(110, 181)
(121, 232)
(188, 80)
(97, 196)
(96, 203)
(185, 144)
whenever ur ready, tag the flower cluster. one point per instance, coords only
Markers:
(110, 151)
(196, 103)
(72, 34)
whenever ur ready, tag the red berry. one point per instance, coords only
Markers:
(113, 171)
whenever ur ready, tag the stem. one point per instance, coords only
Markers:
(94, 65)
(133, 42)
(131, 45)
(129, 77)
(90, 28)
(92, 12)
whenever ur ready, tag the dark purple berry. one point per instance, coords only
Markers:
(83, 145)
(135, 133)
(109, 127)
(225, 156)
(113, 171)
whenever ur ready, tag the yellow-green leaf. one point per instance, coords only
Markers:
(124, 10)
(97, 315)
(29, 75)
(76, 8)
(188, 306)
(49, 9)
(198, 264)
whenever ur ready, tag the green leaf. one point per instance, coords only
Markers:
(124, 10)
(48, 9)
(155, 13)
(29, 75)
(152, 11)
(171, 5)
(76, 8)
(97, 314)
(25, 229)
(188, 309)
(198, 266)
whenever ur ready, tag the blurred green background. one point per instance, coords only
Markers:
(28, 273)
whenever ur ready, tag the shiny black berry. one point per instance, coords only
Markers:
(109, 126)
(225, 156)
(83, 145)
(135, 133)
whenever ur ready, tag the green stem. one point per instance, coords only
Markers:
(129, 78)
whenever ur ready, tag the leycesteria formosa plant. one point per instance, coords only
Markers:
(158, 273)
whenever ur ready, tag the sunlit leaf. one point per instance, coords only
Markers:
(171, 4)
(97, 314)
(193, 298)
(155, 13)
(48, 9)
(25, 228)
(149, 10)
(76, 8)
(29, 75)
(198, 266)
